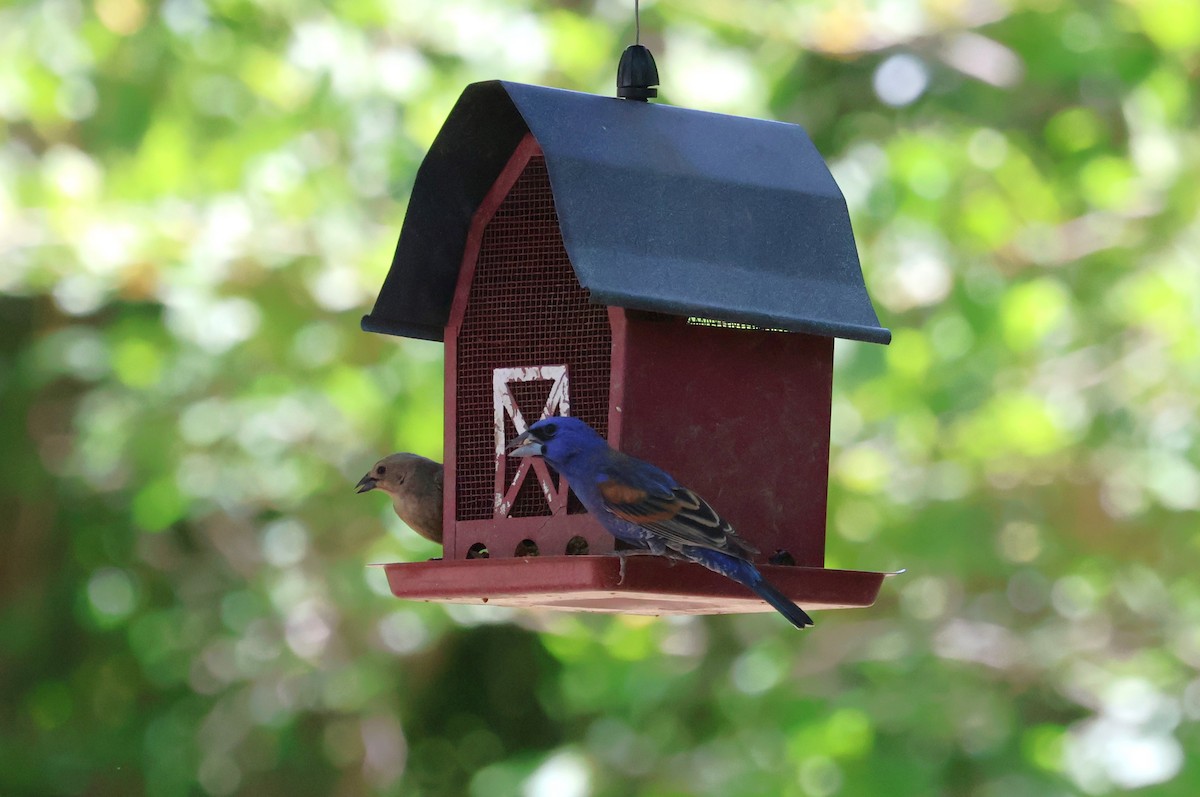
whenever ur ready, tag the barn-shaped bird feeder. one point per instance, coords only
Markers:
(674, 278)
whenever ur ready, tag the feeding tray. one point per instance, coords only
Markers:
(651, 585)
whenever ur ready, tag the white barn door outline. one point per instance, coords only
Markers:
(557, 403)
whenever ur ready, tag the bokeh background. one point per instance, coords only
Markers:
(198, 200)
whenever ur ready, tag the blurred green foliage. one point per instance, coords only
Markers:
(198, 198)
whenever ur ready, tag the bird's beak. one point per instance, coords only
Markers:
(525, 445)
(366, 484)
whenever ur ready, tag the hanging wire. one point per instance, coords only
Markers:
(637, 22)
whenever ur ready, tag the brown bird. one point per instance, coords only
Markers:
(415, 485)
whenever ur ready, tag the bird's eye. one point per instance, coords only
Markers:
(547, 431)
(380, 470)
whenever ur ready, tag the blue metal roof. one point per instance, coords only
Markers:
(661, 208)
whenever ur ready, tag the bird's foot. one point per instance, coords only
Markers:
(623, 554)
(665, 553)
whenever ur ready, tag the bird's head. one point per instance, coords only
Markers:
(558, 440)
(389, 474)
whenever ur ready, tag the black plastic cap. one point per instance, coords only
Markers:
(636, 74)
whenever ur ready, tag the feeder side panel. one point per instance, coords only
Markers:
(739, 415)
(526, 340)
(526, 148)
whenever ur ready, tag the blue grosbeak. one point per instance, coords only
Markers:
(642, 505)
(415, 486)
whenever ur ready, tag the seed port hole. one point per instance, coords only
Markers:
(577, 546)
(526, 548)
(782, 557)
(477, 551)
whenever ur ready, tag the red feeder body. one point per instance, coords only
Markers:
(733, 408)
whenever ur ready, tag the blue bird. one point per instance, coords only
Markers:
(643, 506)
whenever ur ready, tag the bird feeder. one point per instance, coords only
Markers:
(674, 278)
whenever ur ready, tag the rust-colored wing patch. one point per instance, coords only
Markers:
(617, 493)
(635, 504)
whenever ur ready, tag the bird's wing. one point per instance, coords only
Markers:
(419, 503)
(649, 498)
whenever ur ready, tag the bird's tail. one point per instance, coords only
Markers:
(744, 572)
(782, 604)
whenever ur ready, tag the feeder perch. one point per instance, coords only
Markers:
(675, 279)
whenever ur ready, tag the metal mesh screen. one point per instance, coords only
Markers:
(525, 308)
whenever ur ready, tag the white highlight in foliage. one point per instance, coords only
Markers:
(757, 671)
(562, 775)
(402, 72)
(338, 288)
(1174, 482)
(386, 749)
(204, 422)
(489, 34)
(1129, 744)
(225, 236)
(706, 75)
(110, 591)
(921, 276)
(308, 629)
(983, 59)
(106, 245)
(215, 325)
(1074, 597)
(987, 148)
(277, 172)
(79, 294)
(820, 776)
(984, 643)
(403, 632)
(56, 37)
(71, 173)
(926, 597)
(186, 17)
(14, 96)
(77, 98)
(285, 542)
(901, 79)
(858, 172)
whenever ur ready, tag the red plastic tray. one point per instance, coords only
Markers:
(651, 585)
